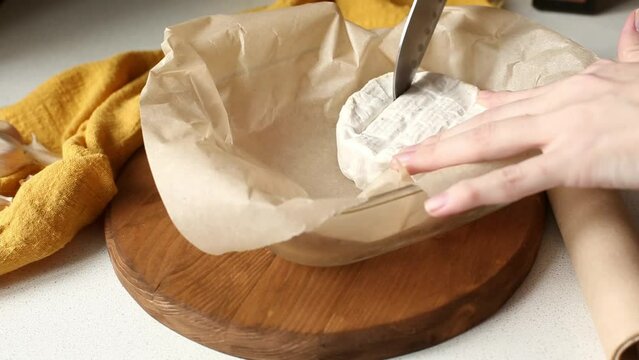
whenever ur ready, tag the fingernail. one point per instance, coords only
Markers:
(403, 158)
(408, 149)
(482, 94)
(436, 203)
(396, 165)
(637, 20)
(434, 138)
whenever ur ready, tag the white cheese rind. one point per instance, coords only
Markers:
(372, 128)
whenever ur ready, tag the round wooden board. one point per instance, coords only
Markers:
(258, 306)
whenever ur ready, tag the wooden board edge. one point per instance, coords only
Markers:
(315, 346)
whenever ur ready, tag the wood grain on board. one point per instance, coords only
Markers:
(258, 306)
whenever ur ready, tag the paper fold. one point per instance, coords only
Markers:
(239, 118)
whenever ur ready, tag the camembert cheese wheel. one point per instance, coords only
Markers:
(372, 128)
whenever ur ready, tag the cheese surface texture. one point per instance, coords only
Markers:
(372, 128)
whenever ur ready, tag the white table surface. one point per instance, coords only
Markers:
(71, 306)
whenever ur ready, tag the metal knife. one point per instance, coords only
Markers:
(418, 30)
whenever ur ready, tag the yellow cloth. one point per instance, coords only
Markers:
(90, 114)
(378, 13)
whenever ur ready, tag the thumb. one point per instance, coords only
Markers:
(628, 49)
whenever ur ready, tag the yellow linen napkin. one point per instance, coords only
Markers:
(90, 114)
(378, 13)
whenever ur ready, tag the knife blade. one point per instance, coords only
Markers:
(418, 30)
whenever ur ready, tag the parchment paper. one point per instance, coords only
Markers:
(239, 117)
(239, 126)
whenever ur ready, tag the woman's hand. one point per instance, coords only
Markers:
(586, 128)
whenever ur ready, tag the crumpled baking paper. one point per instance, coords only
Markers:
(239, 117)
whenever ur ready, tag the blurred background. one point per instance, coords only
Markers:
(41, 37)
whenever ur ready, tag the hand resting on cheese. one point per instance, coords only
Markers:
(586, 128)
(372, 128)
